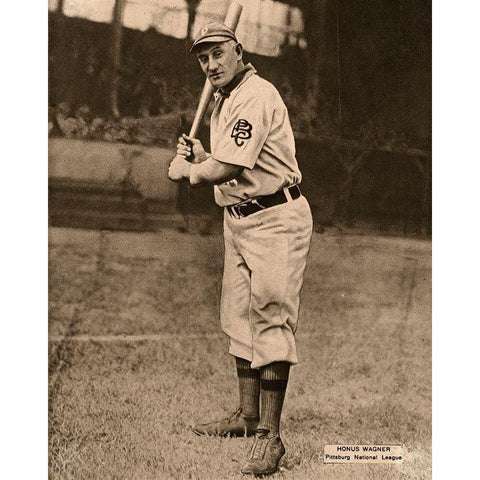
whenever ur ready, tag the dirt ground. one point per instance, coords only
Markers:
(136, 356)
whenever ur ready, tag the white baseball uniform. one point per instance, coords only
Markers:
(266, 251)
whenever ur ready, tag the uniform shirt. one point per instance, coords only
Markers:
(250, 128)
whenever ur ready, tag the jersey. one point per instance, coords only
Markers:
(250, 128)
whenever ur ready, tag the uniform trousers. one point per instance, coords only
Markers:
(265, 258)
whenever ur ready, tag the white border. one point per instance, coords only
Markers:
(455, 236)
(24, 240)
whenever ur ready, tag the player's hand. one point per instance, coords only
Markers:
(191, 148)
(179, 169)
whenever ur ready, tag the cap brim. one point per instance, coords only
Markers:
(213, 39)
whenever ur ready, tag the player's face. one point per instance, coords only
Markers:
(220, 61)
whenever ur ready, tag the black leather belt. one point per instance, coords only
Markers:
(261, 203)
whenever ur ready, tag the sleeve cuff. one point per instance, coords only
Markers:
(248, 165)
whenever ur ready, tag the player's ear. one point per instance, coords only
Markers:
(239, 50)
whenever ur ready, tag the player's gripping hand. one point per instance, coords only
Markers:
(179, 169)
(191, 148)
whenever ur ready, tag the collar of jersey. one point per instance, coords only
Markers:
(237, 80)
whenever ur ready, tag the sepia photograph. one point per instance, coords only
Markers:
(239, 239)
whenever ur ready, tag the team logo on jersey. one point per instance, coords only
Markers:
(241, 131)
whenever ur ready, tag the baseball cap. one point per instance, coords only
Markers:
(213, 32)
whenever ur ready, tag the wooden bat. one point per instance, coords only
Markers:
(231, 20)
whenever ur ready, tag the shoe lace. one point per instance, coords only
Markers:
(260, 444)
(234, 415)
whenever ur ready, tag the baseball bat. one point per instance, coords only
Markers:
(231, 20)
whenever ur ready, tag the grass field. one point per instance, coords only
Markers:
(136, 356)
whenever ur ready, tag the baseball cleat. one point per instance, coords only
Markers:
(236, 425)
(265, 454)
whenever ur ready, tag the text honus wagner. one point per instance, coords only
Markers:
(363, 454)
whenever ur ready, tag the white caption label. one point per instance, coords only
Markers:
(363, 454)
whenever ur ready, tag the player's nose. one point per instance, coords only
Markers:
(212, 65)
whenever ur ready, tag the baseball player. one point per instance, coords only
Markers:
(267, 232)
